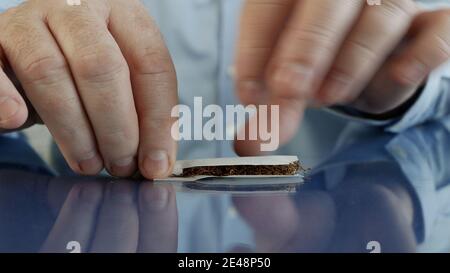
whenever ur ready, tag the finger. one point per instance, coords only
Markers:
(308, 45)
(282, 119)
(103, 80)
(301, 57)
(375, 36)
(158, 226)
(118, 223)
(260, 27)
(402, 74)
(77, 217)
(384, 93)
(43, 73)
(261, 23)
(426, 51)
(154, 85)
(13, 110)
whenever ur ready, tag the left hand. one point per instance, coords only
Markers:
(335, 52)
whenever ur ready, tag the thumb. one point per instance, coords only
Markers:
(13, 110)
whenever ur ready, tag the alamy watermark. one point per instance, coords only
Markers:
(369, 2)
(374, 247)
(73, 2)
(73, 247)
(374, 2)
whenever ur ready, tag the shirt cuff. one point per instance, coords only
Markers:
(426, 106)
(407, 151)
(351, 115)
(16, 153)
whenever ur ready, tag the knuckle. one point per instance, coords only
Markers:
(151, 61)
(158, 124)
(442, 46)
(344, 78)
(117, 138)
(443, 37)
(400, 7)
(362, 49)
(400, 72)
(315, 39)
(59, 105)
(343, 75)
(47, 69)
(102, 65)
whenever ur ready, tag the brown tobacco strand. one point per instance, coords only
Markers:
(290, 169)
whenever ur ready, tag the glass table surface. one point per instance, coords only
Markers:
(381, 193)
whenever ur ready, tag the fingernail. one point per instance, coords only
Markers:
(123, 167)
(156, 198)
(156, 164)
(92, 165)
(295, 77)
(8, 108)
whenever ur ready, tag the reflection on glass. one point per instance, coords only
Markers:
(379, 193)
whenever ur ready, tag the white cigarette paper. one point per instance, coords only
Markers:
(231, 161)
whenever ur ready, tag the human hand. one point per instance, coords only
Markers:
(99, 76)
(322, 53)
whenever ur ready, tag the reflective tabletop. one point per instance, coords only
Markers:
(379, 192)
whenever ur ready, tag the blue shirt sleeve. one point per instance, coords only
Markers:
(16, 153)
(422, 153)
(433, 103)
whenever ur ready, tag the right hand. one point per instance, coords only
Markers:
(99, 76)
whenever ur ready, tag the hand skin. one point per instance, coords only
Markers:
(98, 75)
(298, 54)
